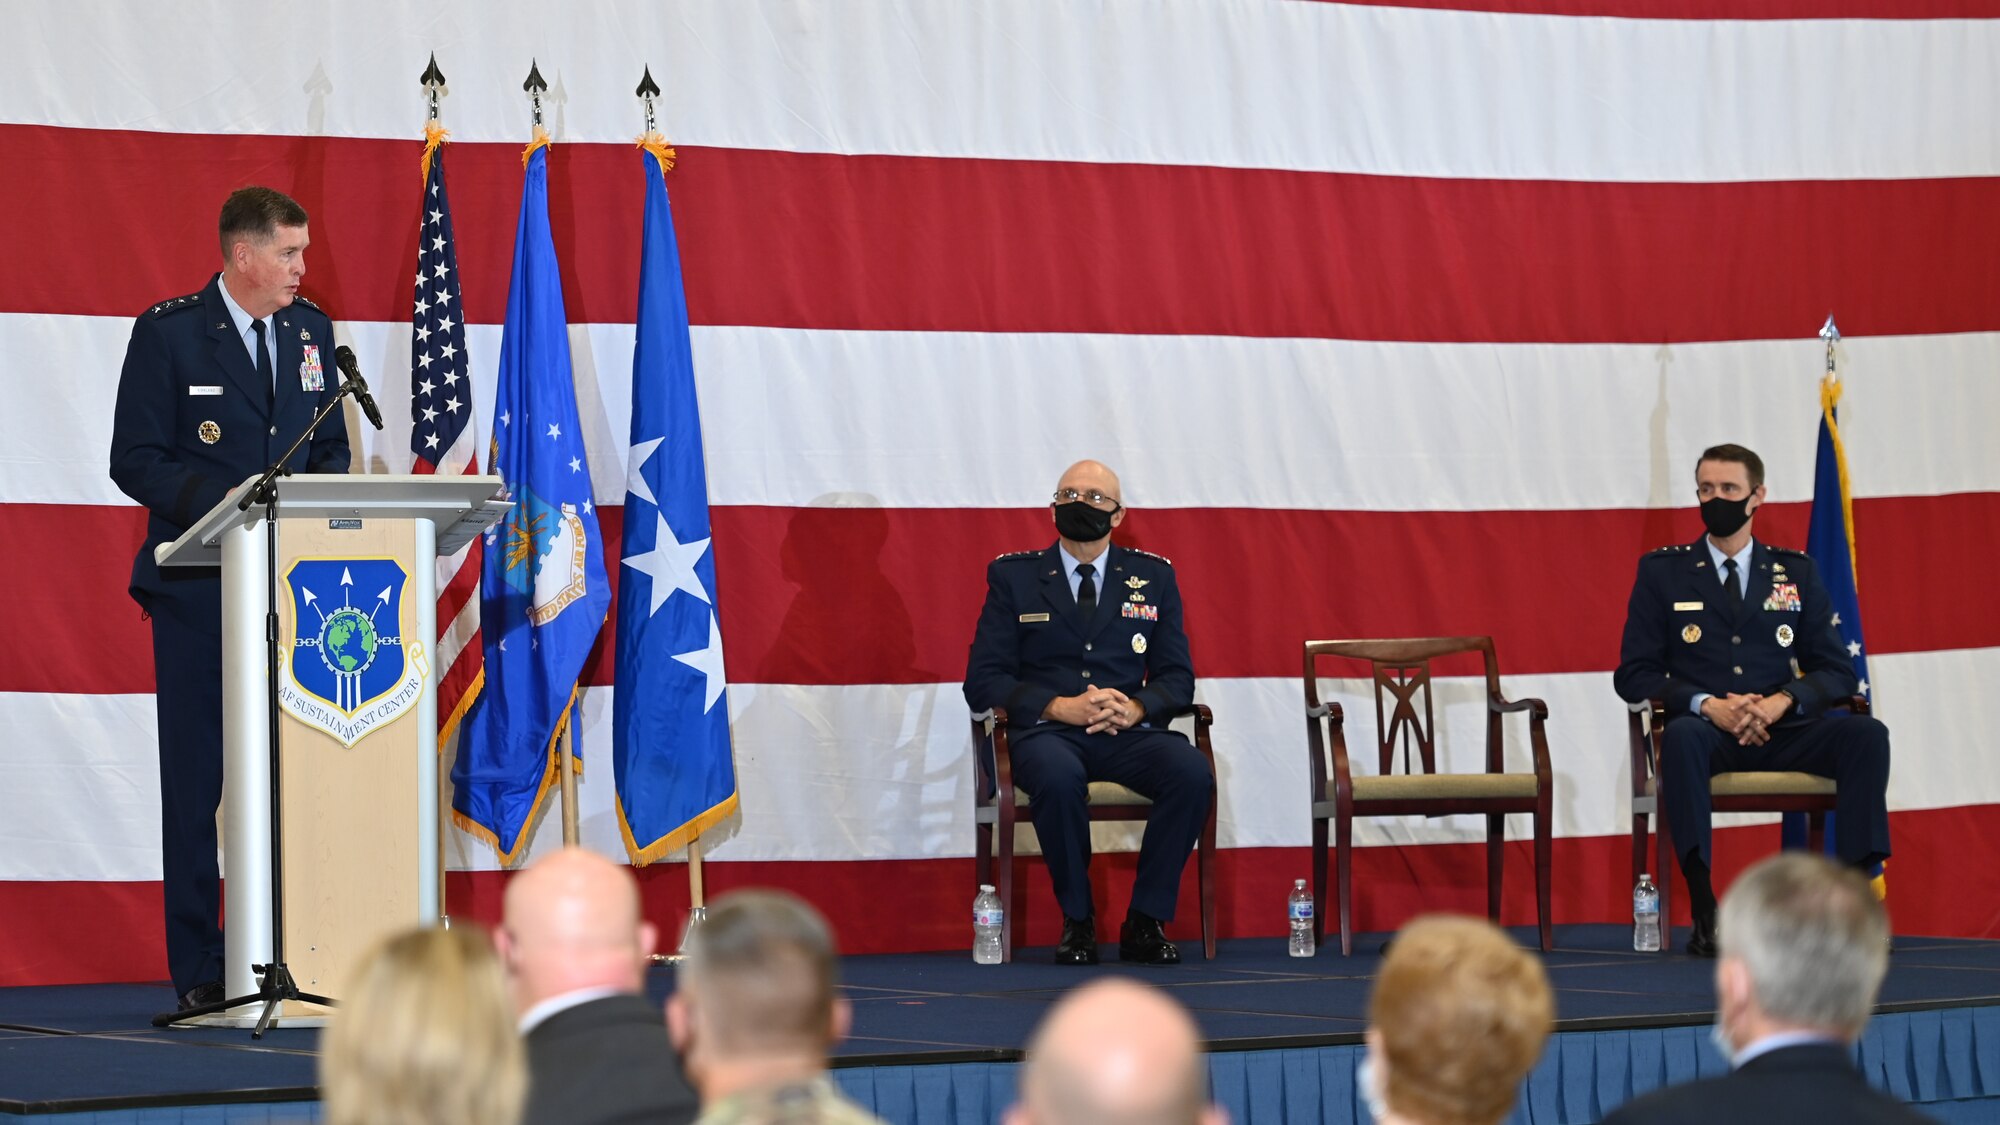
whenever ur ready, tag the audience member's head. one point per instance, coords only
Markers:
(1805, 944)
(753, 1003)
(1458, 1019)
(424, 1036)
(1115, 1053)
(571, 923)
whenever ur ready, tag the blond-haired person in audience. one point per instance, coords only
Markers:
(1459, 1016)
(425, 1036)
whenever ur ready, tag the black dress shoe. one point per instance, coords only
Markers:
(1701, 943)
(1079, 942)
(203, 994)
(1142, 940)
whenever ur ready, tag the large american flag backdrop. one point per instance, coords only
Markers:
(1396, 320)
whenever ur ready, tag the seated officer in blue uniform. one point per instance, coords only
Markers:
(1082, 644)
(1737, 637)
(215, 386)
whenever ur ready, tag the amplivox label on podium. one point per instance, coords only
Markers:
(350, 665)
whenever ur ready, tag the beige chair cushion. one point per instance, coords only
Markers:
(1101, 793)
(1405, 787)
(1767, 783)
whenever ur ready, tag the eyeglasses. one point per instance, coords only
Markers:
(1094, 498)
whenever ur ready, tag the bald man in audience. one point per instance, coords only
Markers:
(576, 952)
(1115, 1053)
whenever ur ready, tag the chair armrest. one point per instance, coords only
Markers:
(1643, 724)
(1535, 707)
(992, 767)
(1538, 739)
(1203, 719)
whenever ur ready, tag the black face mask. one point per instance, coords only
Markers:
(1078, 522)
(1724, 518)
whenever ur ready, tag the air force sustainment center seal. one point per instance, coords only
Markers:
(352, 664)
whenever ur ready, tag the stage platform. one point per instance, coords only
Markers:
(938, 1039)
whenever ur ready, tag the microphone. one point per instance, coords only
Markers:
(343, 358)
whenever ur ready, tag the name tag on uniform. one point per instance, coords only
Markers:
(1686, 605)
(204, 390)
(1027, 617)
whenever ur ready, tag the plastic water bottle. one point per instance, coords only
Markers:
(986, 917)
(1300, 911)
(1646, 916)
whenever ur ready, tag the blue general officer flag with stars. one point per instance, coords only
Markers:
(670, 740)
(543, 588)
(1830, 542)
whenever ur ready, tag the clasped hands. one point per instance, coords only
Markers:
(1099, 709)
(1748, 716)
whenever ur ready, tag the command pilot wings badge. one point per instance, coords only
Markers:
(353, 663)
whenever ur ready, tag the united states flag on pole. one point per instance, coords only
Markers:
(441, 438)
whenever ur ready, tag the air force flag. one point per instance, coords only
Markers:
(543, 591)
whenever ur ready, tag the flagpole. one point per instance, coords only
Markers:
(566, 747)
(432, 81)
(566, 767)
(654, 143)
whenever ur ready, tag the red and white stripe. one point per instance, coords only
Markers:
(1396, 321)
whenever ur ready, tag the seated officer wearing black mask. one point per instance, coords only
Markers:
(1737, 637)
(1082, 643)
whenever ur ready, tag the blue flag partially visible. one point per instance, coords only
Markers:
(670, 719)
(543, 589)
(1830, 542)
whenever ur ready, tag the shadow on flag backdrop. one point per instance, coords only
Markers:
(1830, 542)
(543, 588)
(670, 741)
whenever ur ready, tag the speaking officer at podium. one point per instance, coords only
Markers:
(1082, 644)
(1737, 638)
(216, 385)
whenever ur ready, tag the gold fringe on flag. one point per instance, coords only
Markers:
(435, 137)
(656, 144)
(1829, 397)
(541, 141)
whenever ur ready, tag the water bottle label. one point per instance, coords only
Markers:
(1301, 911)
(987, 917)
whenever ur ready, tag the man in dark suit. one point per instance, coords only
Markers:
(576, 952)
(1804, 949)
(1738, 639)
(1082, 644)
(216, 385)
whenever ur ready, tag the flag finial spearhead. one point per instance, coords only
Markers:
(432, 80)
(535, 87)
(647, 91)
(1829, 331)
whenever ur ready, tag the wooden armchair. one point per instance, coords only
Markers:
(1402, 671)
(1740, 791)
(996, 819)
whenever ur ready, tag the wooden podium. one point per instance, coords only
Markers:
(358, 736)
